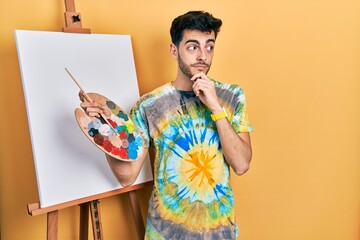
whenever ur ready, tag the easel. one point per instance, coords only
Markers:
(92, 203)
(73, 19)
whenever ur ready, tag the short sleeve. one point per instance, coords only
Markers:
(137, 114)
(240, 121)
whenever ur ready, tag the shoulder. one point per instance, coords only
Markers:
(229, 91)
(152, 96)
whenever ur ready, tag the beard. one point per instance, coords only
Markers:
(185, 69)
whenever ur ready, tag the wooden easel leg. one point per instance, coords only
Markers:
(96, 220)
(84, 221)
(139, 223)
(52, 225)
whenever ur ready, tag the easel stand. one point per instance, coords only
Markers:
(89, 204)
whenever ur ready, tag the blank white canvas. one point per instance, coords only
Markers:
(68, 166)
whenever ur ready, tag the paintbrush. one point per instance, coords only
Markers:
(89, 99)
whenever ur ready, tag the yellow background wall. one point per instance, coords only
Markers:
(299, 64)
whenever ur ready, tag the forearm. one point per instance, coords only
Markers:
(236, 147)
(126, 172)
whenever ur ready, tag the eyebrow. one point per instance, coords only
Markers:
(197, 42)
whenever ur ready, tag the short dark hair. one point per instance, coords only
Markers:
(193, 20)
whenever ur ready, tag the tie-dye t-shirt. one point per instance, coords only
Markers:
(192, 196)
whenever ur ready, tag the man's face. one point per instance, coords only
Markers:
(195, 52)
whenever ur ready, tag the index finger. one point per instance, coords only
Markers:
(198, 75)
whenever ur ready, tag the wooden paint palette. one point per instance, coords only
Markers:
(121, 140)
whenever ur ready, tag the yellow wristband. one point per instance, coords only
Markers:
(219, 116)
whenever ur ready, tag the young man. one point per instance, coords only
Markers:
(199, 129)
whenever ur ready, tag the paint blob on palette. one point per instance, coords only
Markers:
(121, 140)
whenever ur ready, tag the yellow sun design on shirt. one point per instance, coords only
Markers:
(202, 167)
(201, 171)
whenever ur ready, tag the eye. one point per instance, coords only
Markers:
(192, 47)
(210, 47)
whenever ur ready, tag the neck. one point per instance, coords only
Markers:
(182, 82)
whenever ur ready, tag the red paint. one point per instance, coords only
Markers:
(123, 153)
(107, 145)
(99, 139)
(123, 135)
(113, 124)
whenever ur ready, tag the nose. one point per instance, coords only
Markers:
(201, 55)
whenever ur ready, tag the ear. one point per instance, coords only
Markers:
(173, 51)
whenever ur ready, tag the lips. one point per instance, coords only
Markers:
(201, 66)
